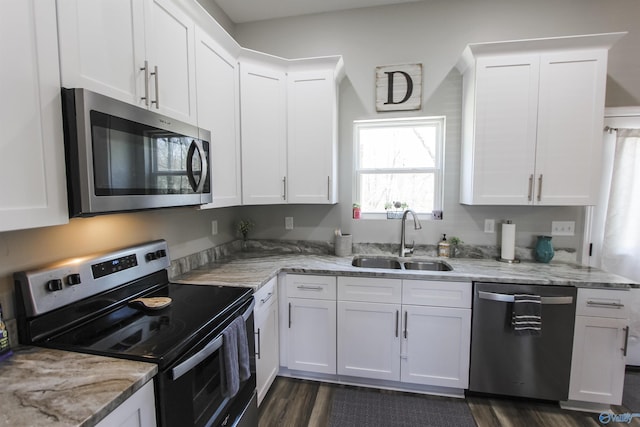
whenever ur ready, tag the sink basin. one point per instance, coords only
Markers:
(377, 263)
(427, 266)
(396, 264)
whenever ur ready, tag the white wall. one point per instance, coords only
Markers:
(434, 33)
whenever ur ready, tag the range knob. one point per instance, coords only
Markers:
(151, 256)
(54, 285)
(73, 279)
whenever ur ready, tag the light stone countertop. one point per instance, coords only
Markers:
(253, 269)
(54, 388)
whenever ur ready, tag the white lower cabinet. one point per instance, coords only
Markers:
(422, 336)
(436, 346)
(599, 346)
(369, 340)
(311, 323)
(139, 410)
(266, 337)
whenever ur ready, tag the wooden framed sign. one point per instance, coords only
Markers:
(399, 87)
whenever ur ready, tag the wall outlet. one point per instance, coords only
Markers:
(563, 228)
(214, 227)
(436, 214)
(288, 223)
(489, 225)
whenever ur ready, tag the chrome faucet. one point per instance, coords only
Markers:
(407, 250)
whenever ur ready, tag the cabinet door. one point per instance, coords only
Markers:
(436, 345)
(570, 122)
(264, 134)
(139, 410)
(267, 344)
(598, 361)
(312, 139)
(312, 335)
(102, 47)
(369, 340)
(218, 97)
(503, 153)
(170, 46)
(32, 167)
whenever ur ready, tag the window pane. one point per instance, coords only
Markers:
(415, 189)
(397, 147)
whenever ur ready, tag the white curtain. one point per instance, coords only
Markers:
(621, 246)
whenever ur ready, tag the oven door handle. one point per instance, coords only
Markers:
(207, 351)
(194, 360)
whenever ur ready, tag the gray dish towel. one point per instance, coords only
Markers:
(235, 357)
(526, 318)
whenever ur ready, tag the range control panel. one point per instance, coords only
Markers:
(65, 282)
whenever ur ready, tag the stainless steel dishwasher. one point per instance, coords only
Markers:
(505, 363)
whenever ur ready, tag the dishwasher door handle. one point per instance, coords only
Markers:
(492, 296)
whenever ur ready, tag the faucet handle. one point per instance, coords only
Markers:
(409, 247)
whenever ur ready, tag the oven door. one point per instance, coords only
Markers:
(190, 390)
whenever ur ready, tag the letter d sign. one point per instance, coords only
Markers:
(399, 87)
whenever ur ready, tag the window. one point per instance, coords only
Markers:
(399, 160)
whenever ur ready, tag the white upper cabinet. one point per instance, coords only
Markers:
(170, 46)
(32, 170)
(532, 120)
(312, 142)
(218, 106)
(141, 52)
(289, 113)
(263, 92)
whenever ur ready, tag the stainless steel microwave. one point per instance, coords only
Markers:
(123, 158)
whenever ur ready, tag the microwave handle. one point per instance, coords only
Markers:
(197, 145)
(207, 351)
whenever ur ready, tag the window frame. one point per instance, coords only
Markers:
(439, 122)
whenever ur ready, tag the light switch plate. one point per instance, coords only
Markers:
(214, 227)
(563, 228)
(489, 225)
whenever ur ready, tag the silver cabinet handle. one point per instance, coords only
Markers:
(155, 74)
(626, 341)
(267, 298)
(258, 350)
(529, 195)
(605, 304)
(284, 188)
(406, 319)
(540, 187)
(491, 296)
(289, 315)
(145, 98)
(397, 321)
(310, 288)
(328, 188)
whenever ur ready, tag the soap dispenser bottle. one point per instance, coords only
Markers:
(444, 248)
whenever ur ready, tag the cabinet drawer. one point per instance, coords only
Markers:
(266, 295)
(314, 287)
(436, 293)
(612, 303)
(368, 289)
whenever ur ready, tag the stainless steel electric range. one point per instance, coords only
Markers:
(86, 305)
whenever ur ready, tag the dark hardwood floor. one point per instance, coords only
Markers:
(299, 403)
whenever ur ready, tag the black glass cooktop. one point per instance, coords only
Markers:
(156, 335)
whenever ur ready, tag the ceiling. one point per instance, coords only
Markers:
(240, 11)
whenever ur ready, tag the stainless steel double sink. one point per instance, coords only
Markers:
(394, 263)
